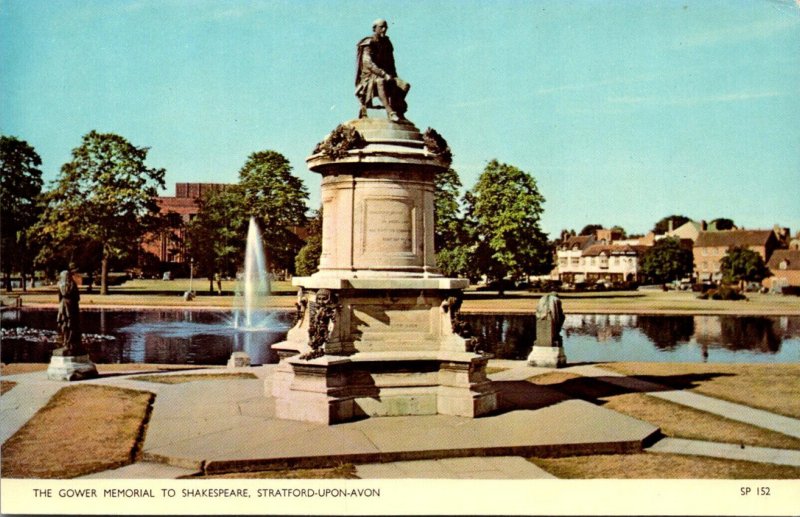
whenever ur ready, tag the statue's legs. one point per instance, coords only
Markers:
(384, 97)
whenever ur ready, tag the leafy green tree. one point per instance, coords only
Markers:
(619, 229)
(215, 238)
(662, 226)
(20, 187)
(723, 223)
(277, 199)
(589, 229)
(104, 195)
(742, 265)
(307, 261)
(503, 213)
(450, 236)
(667, 260)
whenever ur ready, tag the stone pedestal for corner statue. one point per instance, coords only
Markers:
(548, 348)
(70, 367)
(375, 330)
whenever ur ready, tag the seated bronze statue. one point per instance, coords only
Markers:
(376, 75)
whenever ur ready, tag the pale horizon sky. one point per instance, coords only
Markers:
(623, 111)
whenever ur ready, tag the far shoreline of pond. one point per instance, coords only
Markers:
(466, 309)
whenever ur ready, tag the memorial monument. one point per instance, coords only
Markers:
(71, 361)
(375, 332)
(548, 348)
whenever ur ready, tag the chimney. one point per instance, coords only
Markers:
(703, 225)
(669, 226)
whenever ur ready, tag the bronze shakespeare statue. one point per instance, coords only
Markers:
(68, 318)
(376, 75)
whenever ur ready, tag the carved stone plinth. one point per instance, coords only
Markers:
(389, 352)
(333, 389)
(375, 334)
(71, 368)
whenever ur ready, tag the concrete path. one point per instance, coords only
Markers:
(499, 467)
(18, 405)
(740, 413)
(226, 425)
(727, 450)
(223, 425)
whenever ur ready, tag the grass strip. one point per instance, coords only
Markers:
(661, 466)
(346, 471)
(674, 419)
(181, 378)
(6, 386)
(82, 429)
(771, 387)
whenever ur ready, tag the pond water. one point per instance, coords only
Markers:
(209, 337)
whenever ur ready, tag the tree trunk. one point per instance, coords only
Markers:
(104, 275)
(211, 284)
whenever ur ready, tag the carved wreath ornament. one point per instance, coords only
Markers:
(436, 144)
(341, 140)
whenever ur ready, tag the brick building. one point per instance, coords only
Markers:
(710, 247)
(785, 268)
(168, 246)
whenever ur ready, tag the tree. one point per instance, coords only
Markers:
(722, 223)
(667, 260)
(105, 195)
(215, 238)
(503, 213)
(307, 261)
(20, 187)
(449, 235)
(277, 199)
(742, 265)
(662, 226)
(590, 229)
(620, 230)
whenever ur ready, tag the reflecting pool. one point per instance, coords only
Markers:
(209, 337)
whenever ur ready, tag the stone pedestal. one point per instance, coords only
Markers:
(547, 357)
(548, 349)
(71, 368)
(389, 346)
(239, 360)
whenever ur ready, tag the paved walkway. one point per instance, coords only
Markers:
(220, 425)
(740, 413)
(19, 404)
(727, 450)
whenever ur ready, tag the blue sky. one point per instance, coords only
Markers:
(624, 111)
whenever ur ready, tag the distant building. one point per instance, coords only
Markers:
(589, 259)
(785, 268)
(711, 246)
(170, 246)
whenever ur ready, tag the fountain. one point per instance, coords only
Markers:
(254, 287)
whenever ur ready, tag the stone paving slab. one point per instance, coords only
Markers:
(142, 470)
(728, 451)
(230, 424)
(18, 405)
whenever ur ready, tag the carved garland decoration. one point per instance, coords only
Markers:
(323, 313)
(340, 141)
